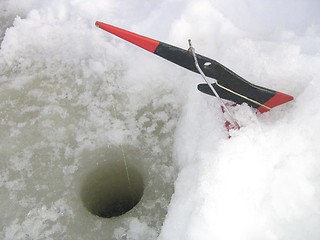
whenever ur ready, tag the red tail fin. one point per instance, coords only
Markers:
(278, 99)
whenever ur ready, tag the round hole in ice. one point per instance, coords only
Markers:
(112, 190)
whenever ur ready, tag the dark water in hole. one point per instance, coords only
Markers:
(111, 191)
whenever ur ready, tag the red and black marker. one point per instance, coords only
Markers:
(229, 85)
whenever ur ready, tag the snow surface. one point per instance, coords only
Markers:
(62, 79)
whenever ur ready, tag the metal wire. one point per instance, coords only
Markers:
(231, 119)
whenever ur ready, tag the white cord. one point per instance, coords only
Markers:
(231, 118)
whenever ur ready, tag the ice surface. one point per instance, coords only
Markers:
(70, 93)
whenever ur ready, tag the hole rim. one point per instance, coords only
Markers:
(97, 196)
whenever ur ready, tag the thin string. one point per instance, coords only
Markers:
(240, 95)
(122, 149)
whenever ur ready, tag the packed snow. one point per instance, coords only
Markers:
(71, 93)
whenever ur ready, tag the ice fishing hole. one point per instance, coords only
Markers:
(112, 190)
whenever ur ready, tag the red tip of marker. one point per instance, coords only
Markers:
(278, 99)
(146, 43)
